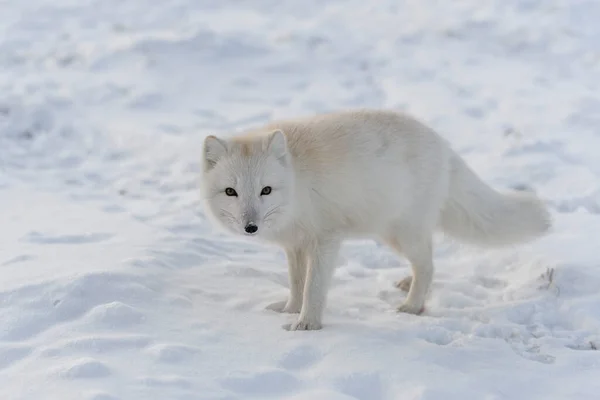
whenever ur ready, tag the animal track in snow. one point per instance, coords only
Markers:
(101, 396)
(85, 368)
(362, 386)
(321, 394)
(97, 344)
(173, 353)
(107, 297)
(40, 238)
(18, 259)
(490, 282)
(300, 357)
(10, 354)
(264, 383)
(166, 381)
(436, 335)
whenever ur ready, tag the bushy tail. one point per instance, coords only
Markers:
(476, 213)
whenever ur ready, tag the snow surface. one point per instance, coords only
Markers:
(115, 287)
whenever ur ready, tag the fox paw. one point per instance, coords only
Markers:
(303, 324)
(409, 308)
(284, 307)
(404, 284)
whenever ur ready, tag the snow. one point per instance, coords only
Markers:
(114, 286)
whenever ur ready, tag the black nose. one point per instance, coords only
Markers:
(251, 228)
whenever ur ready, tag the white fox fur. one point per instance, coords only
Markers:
(356, 174)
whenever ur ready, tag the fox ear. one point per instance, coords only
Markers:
(214, 149)
(277, 144)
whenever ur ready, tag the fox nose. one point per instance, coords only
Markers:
(251, 228)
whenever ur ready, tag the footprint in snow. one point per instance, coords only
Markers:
(97, 344)
(12, 354)
(362, 386)
(437, 335)
(84, 238)
(321, 394)
(264, 383)
(85, 368)
(173, 353)
(166, 381)
(18, 259)
(300, 357)
(101, 396)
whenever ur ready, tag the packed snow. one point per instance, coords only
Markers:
(114, 285)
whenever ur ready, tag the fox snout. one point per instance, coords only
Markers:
(249, 219)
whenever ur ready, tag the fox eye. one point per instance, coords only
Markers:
(230, 192)
(265, 191)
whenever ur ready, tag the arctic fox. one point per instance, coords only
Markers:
(309, 183)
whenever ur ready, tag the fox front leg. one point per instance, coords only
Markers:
(321, 264)
(297, 266)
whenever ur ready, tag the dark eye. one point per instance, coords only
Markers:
(230, 192)
(265, 191)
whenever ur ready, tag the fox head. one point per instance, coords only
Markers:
(248, 183)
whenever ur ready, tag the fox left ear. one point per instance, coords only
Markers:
(277, 144)
(214, 149)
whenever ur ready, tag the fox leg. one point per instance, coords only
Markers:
(297, 265)
(322, 261)
(417, 248)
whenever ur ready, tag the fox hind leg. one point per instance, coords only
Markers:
(417, 248)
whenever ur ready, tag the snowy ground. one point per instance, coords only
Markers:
(114, 286)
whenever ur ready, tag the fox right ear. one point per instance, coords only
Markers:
(214, 149)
